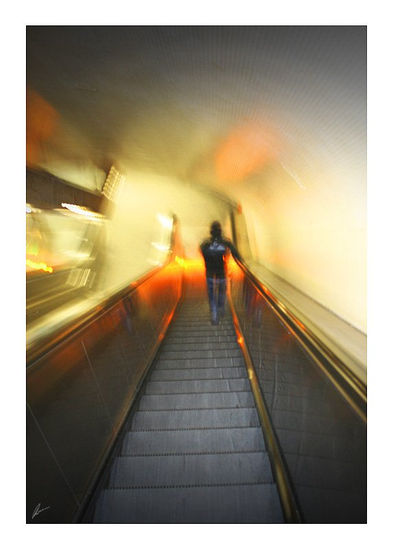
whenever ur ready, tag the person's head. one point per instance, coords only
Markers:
(215, 229)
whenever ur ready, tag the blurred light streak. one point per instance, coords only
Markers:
(82, 210)
(165, 221)
(161, 247)
(295, 178)
(39, 266)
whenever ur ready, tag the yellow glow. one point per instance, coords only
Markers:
(39, 265)
(33, 250)
(197, 264)
(180, 261)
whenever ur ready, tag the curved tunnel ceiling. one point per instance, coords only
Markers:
(274, 117)
(211, 105)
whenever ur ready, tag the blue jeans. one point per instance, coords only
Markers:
(216, 291)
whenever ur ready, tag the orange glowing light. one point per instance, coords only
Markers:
(240, 339)
(38, 266)
(41, 122)
(245, 150)
(194, 264)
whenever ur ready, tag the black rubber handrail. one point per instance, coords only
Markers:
(343, 378)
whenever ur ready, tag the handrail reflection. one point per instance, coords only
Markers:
(345, 381)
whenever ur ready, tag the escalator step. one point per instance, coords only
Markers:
(197, 386)
(200, 363)
(190, 470)
(198, 374)
(238, 504)
(201, 354)
(179, 332)
(196, 401)
(170, 346)
(194, 441)
(191, 419)
(198, 339)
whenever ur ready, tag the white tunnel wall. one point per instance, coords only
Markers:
(313, 236)
(133, 224)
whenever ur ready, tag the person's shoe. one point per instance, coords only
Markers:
(221, 313)
(214, 318)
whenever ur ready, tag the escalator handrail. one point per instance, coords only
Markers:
(345, 380)
(42, 347)
(290, 506)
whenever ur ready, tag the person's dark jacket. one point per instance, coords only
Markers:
(214, 251)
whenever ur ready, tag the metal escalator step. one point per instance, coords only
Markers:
(194, 441)
(197, 386)
(190, 470)
(198, 339)
(200, 363)
(203, 325)
(182, 346)
(191, 419)
(190, 322)
(201, 354)
(183, 313)
(196, 401)
(202, 335)
(237, 504)
(198, 374)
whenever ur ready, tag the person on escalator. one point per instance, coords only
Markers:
(215, 251)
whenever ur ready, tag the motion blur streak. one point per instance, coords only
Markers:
(39, 265)
(81, 210)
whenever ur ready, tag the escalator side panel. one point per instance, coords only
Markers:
(323, 439)
(80, 392)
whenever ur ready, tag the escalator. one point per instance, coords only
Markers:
(193, 451)
(143, 412)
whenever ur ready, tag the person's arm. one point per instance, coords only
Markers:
(234, 251)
